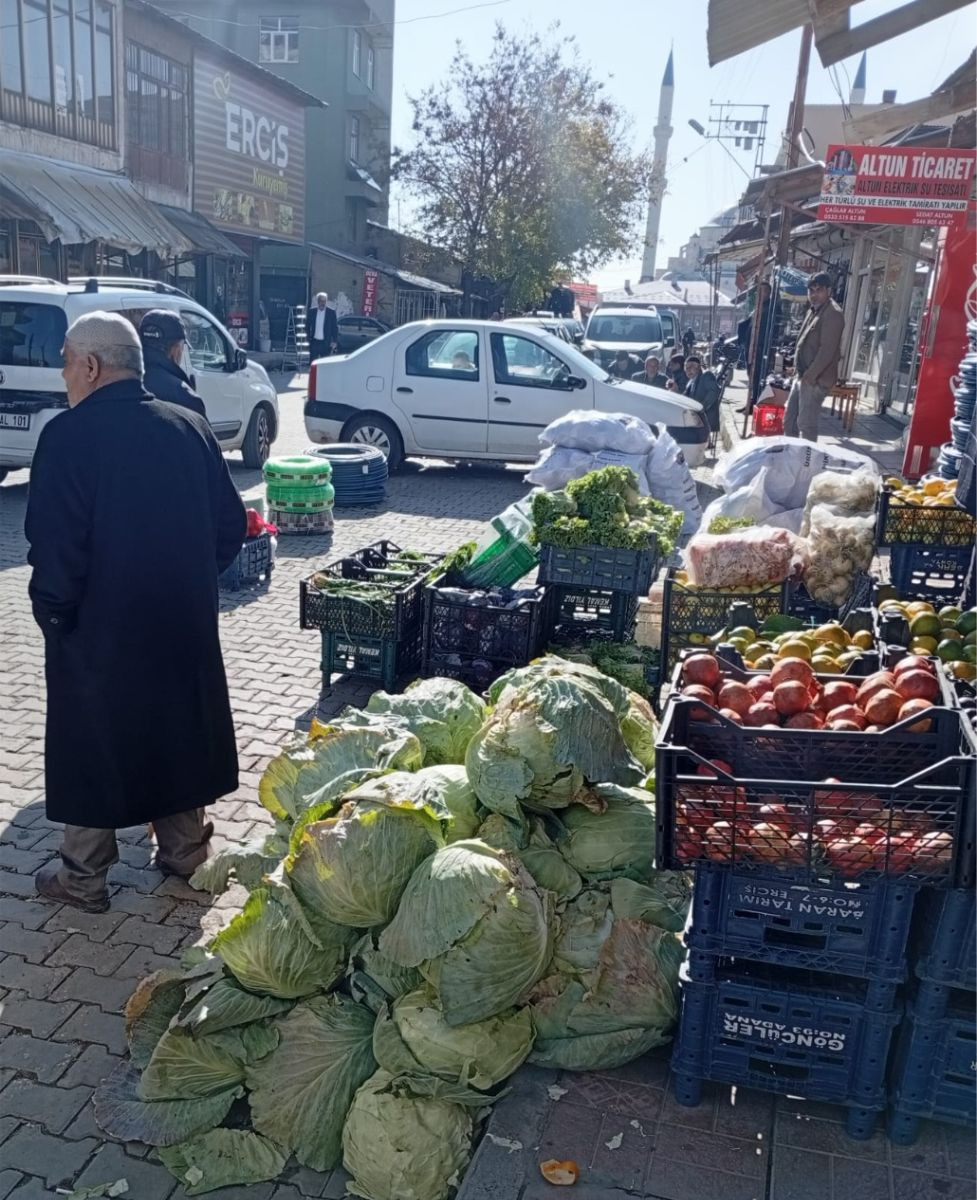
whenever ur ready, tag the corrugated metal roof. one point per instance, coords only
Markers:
(80, 204)
(206, 238)
(696, 293)
(738, 25)
(374, 264)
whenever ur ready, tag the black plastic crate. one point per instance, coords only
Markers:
(479, 642)
(945, 939)
(932, 1074)
(900, 523)
(800, 603)
(937, 574)
(253, 562)
(614, 570)
(397, 613)
(787, 1032)
(854, 929)
(687, 610)
(383, 659)
(912, 794)
(576, 614)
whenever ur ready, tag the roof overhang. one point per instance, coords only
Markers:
(956, 94)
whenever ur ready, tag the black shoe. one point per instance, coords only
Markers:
(172, 872)
(49, 885)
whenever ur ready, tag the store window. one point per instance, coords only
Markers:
(156, 101)
(278, 39)
(356, 52)
(354, 139)
(371, 67)
(11, 68)
(84, 73)
(36, 51)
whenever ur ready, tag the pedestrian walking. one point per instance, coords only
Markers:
(651, 374)
(163, 336)
(704, 387)
(688, 340)
(323, 328)
(131, 516)
(816, 358)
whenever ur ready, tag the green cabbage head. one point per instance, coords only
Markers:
(442, 714)
(620, 840)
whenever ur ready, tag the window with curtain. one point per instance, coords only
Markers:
(371, 66)
(356, 51)
(354, 139)
(64, 84)
(84, 74)
(104, 88)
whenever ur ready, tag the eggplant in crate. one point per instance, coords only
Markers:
(787, 1031)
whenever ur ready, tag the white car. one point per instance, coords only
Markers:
(240, 399)
(475, 390)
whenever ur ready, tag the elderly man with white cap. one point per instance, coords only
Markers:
(131, 516)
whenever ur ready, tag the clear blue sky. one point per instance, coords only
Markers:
(627, 44)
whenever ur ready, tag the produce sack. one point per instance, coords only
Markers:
(557, 466)
(670, 480)
(849, 493)
(584, 429)
(791, 464)
(837, 548)
(747, 502)
(755, 556)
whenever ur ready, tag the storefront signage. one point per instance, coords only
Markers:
(249, 155)
(896, 185)
(371, 282)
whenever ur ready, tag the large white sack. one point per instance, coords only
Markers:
(557, 465)
(790, 465)
(584, 429)
(670, 480)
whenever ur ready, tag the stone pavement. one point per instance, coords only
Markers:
(65, 975)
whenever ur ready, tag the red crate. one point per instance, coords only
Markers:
(768, 420)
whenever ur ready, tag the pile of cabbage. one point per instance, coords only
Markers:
(453, 888)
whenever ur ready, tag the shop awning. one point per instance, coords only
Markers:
(80, 204)
(206, 238)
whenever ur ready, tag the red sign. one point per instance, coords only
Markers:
(371, 283)
(896, 185)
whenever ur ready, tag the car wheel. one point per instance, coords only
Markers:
(377, 431)
(257, 441)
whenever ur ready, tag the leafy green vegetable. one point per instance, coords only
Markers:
(392, 979)
(247, 864)
(728, 524)
(149, 1010)
(442, 713)
(226, 1005)
(122, 1113)
(223, 1158)
(183, 1066)
(618, 839)
(400, 1146)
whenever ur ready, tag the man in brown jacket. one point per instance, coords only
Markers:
(815, 360)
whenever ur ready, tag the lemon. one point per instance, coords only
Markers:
(925, 645)
(765, 662)
(863, 639)
(828, 666)
(949, 651)
(832, 633)
(795, 648)
(756, 650)
(933, 487)
(744, 632)
(925, 624)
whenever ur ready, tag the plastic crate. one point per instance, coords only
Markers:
(613, 570)
(933, 1071)
(307, 524)
(501, 564)
(937, 574)
(788, 1032)
(945, 939)
(382, 659)
(902, 784)
(858, 929)
(253, 560)
(800, 604)
(478, 643)
(399, 614)
(687, 610)
(768, 420)
(899, 523)
(576, 614)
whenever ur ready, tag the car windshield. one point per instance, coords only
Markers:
(642, 329)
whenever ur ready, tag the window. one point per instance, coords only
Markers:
(354, 139)
(519, 360)
(38, 64)
(278, 39)
(445, 354)
(156, 101)
(84, 74)
(371, 67)
(64, 85)
(104, 87)
(625, 327)
(206, 345)
(356, 51)
(11, 71)
(31, 335)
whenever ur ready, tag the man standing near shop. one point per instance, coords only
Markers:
(323, 328)
(163, 336)
(131, 516)
(816, 358)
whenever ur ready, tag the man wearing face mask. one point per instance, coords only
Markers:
(131, 516)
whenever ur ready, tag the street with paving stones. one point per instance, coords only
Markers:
(66, 975)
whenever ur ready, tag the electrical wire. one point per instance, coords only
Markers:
(453, 12)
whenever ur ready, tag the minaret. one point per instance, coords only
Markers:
(858, 87)
(663, 131)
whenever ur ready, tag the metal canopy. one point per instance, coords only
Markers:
(80, 204)
(206, 238)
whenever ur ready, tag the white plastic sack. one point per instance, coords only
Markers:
(584, 429)
(670, 480)
(557, 465)
(749, 557)
(747, 501)
(790, 463)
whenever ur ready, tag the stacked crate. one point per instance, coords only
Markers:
(930, 548)
(300, 494)
(797, 938)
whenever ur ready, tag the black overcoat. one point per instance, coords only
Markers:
(166, 380)
(131, 515)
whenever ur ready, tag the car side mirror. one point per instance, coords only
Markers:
(669, 341)
(574, 383)
(240, 360)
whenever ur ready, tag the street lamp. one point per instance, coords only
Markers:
(714, 137)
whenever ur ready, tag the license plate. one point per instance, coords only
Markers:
(15, 420)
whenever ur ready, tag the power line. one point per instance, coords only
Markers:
(366, 25)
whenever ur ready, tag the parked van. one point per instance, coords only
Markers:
(616, 326)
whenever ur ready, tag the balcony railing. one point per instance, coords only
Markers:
(18, 109)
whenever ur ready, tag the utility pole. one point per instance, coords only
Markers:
(795, 124)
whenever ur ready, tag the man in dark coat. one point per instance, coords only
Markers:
(651, 374)
(704, 387)
(163, 336)
(131, 516)
(322, 328)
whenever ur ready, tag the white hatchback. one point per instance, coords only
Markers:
(476, 390)
(240, 399)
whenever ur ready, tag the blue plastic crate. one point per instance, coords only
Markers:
(853, 929)
(783, 1031)
(933, 1071)
(934, 573)
(946, 938)
(253, 560)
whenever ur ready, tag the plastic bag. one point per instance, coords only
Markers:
(670, 480)
(791, 464)
(557, 465)
(847, 492)
(584, 429)
(837, 548)
(753, 557)
(747, 501)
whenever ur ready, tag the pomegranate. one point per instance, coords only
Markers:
(917, 685)
(758, 686)
(872, 684)
(719, 763)
(804, 720)
(696, 691)
(837, 726)
(934, 849)
(847, 712)
(792, 670)
(701, 669)
(761, 713)
(910, 709)
(883, 707)
(837, 693)
(730, 715)
(914, 662)
(791, 698)
(735, 696)
(767, 842)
